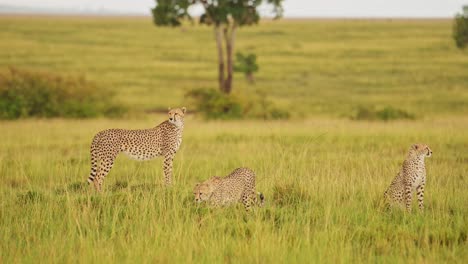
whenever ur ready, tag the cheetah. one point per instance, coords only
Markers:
(141, 144)
(411, 177)
(239, 186)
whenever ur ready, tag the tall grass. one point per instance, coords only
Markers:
(323, 181)
(323, 177)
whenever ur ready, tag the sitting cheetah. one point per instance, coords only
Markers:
(411, 177)
(141, 144)
(239, 186)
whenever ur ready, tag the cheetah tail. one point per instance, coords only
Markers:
(262, 199)
(94, 166)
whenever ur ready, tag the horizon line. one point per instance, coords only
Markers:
(141, 15)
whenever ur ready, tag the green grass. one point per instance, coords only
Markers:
(313, 67)
(323, 181)
(322, 174)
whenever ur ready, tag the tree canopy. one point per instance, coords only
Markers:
(225, 16)
(217, 12)
(460, 30)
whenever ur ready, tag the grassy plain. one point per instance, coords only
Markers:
(325, 67)
(323, 180)
(323, 176)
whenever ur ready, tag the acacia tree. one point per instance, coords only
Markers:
(460, 30)
(225, 16)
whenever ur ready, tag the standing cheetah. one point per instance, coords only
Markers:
(239, 186)
(141, 144)
(411, 177)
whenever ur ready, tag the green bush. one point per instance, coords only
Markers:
(246, 64)
(216, 105)
(40, 94)
(460, 31)
(385, 114)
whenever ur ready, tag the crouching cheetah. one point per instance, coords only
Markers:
(239, 186)
(411, 177)
(141, 144)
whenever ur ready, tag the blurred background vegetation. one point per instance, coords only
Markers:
(332, 68)
(460, 28)
(41, 94)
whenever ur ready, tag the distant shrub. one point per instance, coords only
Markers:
(390, 113)
(216, 105)
(460, 30)
(40, 94)
(246, 64)
(386, 114)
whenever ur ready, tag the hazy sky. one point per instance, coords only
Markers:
(293, 8)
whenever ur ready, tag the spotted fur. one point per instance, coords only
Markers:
(141, 144)
(412, 177)
(239, 186)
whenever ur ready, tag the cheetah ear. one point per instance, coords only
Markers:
(184, 109)
(215, 179)
(169, 109)
(415, 146)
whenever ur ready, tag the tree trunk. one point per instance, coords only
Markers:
(250, 77)
(229, 32)
(219, 45)
(230, 39)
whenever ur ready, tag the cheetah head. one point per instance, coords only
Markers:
(176, 116)
(204, 190)
(421, 150)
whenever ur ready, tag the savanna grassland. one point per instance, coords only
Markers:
(323, 174)
(319, 67)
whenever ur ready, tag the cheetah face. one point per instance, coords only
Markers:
(176, 116)
(421, 150)
(202, 192)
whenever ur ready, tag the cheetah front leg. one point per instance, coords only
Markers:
(167, 167)
(408, 197)
(420, 191)
(386, 201)
(97, 183)
(249, 199)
